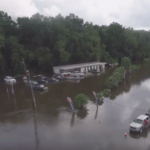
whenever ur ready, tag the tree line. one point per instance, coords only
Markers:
(45, 42)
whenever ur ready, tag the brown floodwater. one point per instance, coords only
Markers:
(52, 126)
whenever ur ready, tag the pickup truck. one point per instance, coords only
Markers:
(138, 124)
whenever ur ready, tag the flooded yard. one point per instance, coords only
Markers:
(53, 126)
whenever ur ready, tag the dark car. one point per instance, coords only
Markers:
(57, 77)
(41, 79)
(52, 80)
(36, 86)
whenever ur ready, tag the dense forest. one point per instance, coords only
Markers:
(45, 42)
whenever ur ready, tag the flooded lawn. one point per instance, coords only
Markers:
(52, 126)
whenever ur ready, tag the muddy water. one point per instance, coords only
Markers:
(53, 125)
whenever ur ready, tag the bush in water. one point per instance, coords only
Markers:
(134, 67)
(80, 100)
(106, 92)
(99, 95)
(146, 61)
(115, 78)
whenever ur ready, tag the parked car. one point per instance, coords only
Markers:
(58, 77)
(138, 125)
(41, 79)
(52, 80)
(94, 71)
(24, 78)
(65, 74)
(37, 86)
(73, 77)
(78, 73)
(9, 80)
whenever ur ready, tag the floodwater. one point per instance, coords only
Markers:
(52, 126)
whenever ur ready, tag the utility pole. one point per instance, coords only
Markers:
(29, 82)
(24, 65)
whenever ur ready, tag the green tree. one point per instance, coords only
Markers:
(43, 56)
(126, 62)
(7, 25)
(60, 53)
(2, 41)
(115, 78)
(17, 53)
(67, 40)
(115, 42)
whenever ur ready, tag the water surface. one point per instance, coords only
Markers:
(53, 126)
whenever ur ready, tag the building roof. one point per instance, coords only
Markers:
(74, 66)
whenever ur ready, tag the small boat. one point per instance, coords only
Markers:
(9, 80)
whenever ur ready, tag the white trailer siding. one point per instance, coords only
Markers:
(56, 70)
(84, 67)
(82, 70)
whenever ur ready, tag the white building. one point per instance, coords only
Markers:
(84, 67)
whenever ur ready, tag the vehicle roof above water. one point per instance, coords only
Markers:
(34, 82)
(9, 77)
(142, 117)
(39, 75)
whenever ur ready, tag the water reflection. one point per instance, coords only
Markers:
(72, 119)
(15, 103)
(96, 112)
(82, 113)
(7, 90)
(53, 114)
(37, 141)
(134, 79)
(144, 134)
(73, 81)
(11, 95)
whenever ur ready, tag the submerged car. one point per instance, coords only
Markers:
(73, 77)
(78, 73)
(37, 86)
(41, 79)
(58, 77)
(138, 125)
(52, 80)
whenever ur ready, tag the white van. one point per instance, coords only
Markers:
(9, 80)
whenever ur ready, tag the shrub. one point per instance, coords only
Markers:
(80, 100)
(106, 92)
(146, 60)
(115, 78)
(99, 95)
(134, 67)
